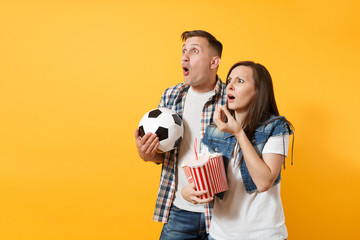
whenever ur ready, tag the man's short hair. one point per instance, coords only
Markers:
(213, 42)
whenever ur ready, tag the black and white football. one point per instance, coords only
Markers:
(166, 124)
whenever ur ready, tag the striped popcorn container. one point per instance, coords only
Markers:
(208, 173)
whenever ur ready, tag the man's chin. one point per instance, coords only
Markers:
(187, 81)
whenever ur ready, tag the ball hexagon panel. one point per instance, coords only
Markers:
(141, 131)
(177, 142)
(154, 113)
(177, 119)
(162, 133)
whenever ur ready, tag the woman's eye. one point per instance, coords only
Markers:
(183, 51)
(195, 51)
(240, 80)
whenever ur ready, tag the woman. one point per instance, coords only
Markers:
(253, 140)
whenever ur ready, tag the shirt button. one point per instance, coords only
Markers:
(216, 149)
(254, 141)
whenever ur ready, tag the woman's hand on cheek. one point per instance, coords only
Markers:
(231, 126)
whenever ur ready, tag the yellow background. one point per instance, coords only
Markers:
(77, 76)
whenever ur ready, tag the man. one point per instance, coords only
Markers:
(195, 101)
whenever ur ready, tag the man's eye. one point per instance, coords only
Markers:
(240, 80)
(195, 51)
(183, 51)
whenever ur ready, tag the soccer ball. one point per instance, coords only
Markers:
(166, 124)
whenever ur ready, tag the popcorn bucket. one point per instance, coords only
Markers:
(208, 173)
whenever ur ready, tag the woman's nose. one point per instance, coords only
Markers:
(230, 86)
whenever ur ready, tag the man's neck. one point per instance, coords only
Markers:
(205, 88)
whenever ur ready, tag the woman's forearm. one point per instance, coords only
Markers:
(261, 173)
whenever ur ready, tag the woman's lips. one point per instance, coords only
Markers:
(231, 98)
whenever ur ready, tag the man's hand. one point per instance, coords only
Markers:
(147, 147)
(190, 194)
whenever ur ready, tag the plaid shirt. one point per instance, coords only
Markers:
(174, 98)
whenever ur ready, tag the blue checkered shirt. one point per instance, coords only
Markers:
(174, 98)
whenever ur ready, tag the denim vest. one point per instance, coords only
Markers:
(224, 143)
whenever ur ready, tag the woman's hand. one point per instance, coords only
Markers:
(190, 194)
(231, 126)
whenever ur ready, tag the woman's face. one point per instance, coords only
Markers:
(240, 89)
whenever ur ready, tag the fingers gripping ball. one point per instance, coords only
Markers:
(166, 124)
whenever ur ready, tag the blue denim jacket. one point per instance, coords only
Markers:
(224, 143)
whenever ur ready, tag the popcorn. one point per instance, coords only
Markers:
(207, 172)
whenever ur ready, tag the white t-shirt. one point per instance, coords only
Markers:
(192, 115)
(258, 215)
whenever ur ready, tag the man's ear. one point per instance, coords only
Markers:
(215, 61)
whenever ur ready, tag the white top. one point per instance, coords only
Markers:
(192, 115)
(258, 215)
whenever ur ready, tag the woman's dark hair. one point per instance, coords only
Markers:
(263, 104)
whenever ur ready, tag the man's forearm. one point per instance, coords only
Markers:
(158, 158)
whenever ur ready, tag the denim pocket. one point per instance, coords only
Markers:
(219, 146)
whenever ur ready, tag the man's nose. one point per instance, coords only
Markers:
(185, 57)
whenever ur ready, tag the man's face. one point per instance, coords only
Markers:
(195, 61)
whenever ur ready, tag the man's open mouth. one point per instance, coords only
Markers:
(185, 71)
